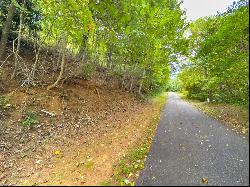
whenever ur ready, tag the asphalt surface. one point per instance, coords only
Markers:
(189, 146)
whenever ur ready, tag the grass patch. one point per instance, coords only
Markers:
(4, 103)
(105, 183)
(30, 119)
(130, 165)
(89, 164)
(128, 168)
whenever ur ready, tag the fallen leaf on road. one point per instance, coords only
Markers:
(57, 152)
(130, 174)
(38, 161)
(204, 180)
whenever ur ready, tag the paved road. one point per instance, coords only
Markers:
(189, 146)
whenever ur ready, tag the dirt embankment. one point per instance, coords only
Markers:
(79, 131)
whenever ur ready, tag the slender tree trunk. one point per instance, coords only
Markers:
(6, 29)
(82, 54)
(140, 87)
(131, 84)
(60, 74)
(120, 78)
(209, 99)
(83, 49)
(132, 78)
(109, 60)
(35, 64)
(58, 60)
(109, 56)
(18, 45)
(62, 63)
(124, 75)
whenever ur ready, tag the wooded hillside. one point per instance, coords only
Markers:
(131, 42)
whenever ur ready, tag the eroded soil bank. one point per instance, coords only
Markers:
(75, 135)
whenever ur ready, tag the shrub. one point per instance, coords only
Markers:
(30, 119)
(4, 103)
(88, 71)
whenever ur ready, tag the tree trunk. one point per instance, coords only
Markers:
(35, 64)
(131, 84)
(109, 65)
(63, 49)
(210, 96)
(124, 75)
(6, 29)
(109, 57)
(132, 78)
(83, 49)
(140, 87)
(18, 45)
(58, 61)
(60, 74)
(209, 99)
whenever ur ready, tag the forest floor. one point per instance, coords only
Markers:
(234, 116)
(75, 134)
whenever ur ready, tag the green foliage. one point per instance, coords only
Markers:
(32, 15)
(72, 18)
(88, 71)
(4, 102)
(219, 67)
(140, 37)
(130, 164)
(134, 40)
(192, 80)
(105, 183)
(30, 119)
(173, 85)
